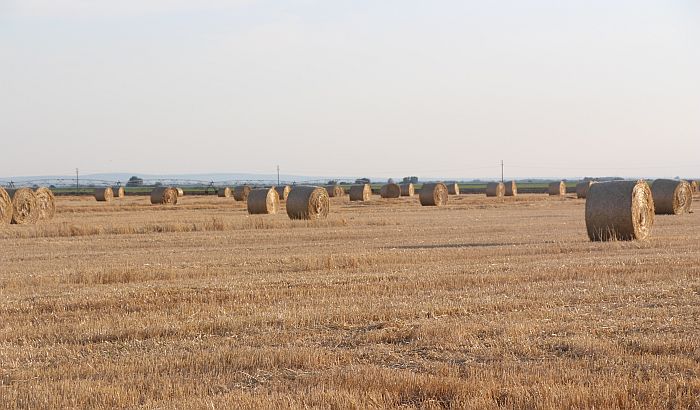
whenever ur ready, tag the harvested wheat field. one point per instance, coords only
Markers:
(478, 304)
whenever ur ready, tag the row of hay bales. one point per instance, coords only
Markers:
(303, 202)
(162, 195)
(23, 206)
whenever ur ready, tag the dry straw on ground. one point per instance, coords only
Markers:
(671, 197)
(104, 194)
(308, 202)
(283, 191)
(118, 191)
(557, 188)
(453, 188)
(46, 202)
(5, 207)
(619, 210)
(263, 201)
(407, 189)
(164, 196)
(390, 190)
(582, 188)
(433, 194)
(224, 192)
(25, 206)
(240, 193)
(360, 192)
(335, 191)
(511, 189)
(497, 189)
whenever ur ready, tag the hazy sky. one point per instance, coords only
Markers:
(385, 88)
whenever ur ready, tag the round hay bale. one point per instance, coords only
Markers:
(407, 189)
(263, 201)
(5, 207)
(582, 188)
(335, 191)
(224, 192)
(557, 188)
(46, 202)
(25, 206)
(180, 192)
(164, 195)
(433, 194)
(118, 191)
(308, 202)
(497, 189)
(241, 192)
(619, 210)
(360, 192)
(283, 192)
(694, 185)
(511, 189)
(453, 189)
(390, 191)
(671, 197)
(104, 194)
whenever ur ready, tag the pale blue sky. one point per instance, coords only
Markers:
(385, 88)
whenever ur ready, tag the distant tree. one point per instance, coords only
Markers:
(134, 181)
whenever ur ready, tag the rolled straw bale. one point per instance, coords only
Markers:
(5, 207)
(360, 192)
(335, 191)
(619, 210)
(671, 197)
(104, 194)
(694, 185)
(453, 189)
(25, 206)
(433, 194)
(582, 188)
(308, 202)
(224, 192)
(497, 189)
(283, 192)
(511, 189)
(263, 201)
(390, 191)
(164, 195)
(46, 202)
(118, 191)
(407, 189)
(180, 192)
(557, 188)
(240, 193)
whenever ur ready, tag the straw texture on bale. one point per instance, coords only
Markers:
(360, 192)
(407, 189)
(240, 193)
(453, 189)
(224, 192)
(511, 189)
(164, 195)
(25, 206)
(433, 194)
(5, 207)
(104, 194)
(308, 202)
(619, 210)
(557, 188)
(582, 188)
(283, 192)
(694, 185)
(118, 191)
(46, 203)
(180, 192)
(497, 189)
(390, 191)
(671, 197)
(263, 201)
(335, 191)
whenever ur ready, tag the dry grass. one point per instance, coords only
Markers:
(483, 303)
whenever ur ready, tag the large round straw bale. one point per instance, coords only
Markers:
(5, 207)
(511, 189)
(164, 195)
(433, 194)
(360, 192)
(497, 189)
(308, 202)
(582, 188)
(283, 192)
(180, 192)
(694, 185)
(118, 191)
(619, 210)
(263, 201)
(224, 192)
(390, 191)
(240, 193)
(557, 188)
(25, 206)
(46, 202)
(671, 197)
(453, 188)
(407, 189)
(335, 191)
(104, 194)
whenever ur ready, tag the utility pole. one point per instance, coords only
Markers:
(278, 175)
(502, 171)
(77, 182)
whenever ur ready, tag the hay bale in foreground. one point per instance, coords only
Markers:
(25, 206)
(283, 192)
(118, 191)
(390, 191)
(619, 210)
(180, 192)
(224, 192)
(360, 192)
(46, 202)
(453, 189)
(433, 194)
(164, 195)
(335, 191)
(263, 201)
(308, 202)
(104, 194)
(241, 192)
(5, 207)
(557, 188)
(511, 189)
(582, 188)
(671, 197)
(497, 189)
(407, 189)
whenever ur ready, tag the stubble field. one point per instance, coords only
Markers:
(484, 303)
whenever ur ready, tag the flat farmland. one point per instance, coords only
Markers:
(484, 303)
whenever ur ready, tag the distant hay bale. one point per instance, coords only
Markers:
(335, 191)
(263, 201)
(224, 192)
(104, 194)
(557, 188)
(511, 189)
(46, 202)
(390, 191)
(118, 191)
(283, 192)
(164, 195)
(5, 207)
(360, 192)
(308, 202)
(241, 192)
(453, 189)
(407, 189)
(433, 194)
(497, 189)
(671, 197)
(694, 185)
(582, 188)
(25, 206)
(619, 210)
(180, 192)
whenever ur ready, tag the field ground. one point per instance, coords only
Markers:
(485, 303)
